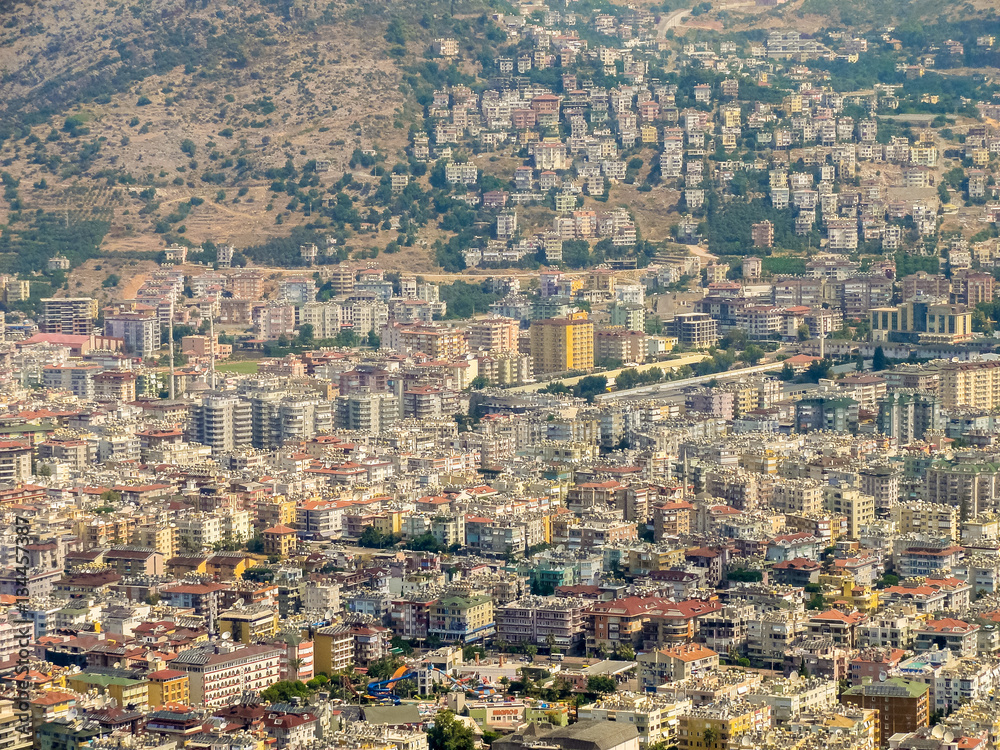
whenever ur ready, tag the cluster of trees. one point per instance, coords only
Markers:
(372, 538)
(465, 300)
(587, 388)
(28, 241)
(632, 378)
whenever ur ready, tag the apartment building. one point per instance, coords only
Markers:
(465, 618)
(219, 674)
(562, 344)
(547, 622)
(72, 316)
(903, 705)
(138, 326)
(972, 384)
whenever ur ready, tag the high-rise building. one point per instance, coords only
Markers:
(908, 416)
(366, 412)
(494, 334)
(762, 234)
(220, 422)
(138, 325)
(697, 330)
(561, 344)
(974, 384)
(857, 507)
(73, 316)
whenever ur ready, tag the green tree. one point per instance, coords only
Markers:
(818, 370)
(752, 354)
(879, 361)
(284, 691)
(711, 736)
(600, 683)
(382, 669)
(449, 734)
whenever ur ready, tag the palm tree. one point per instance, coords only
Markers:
(711, 737)
(294, 665)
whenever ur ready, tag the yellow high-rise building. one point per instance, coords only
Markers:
(561, 344)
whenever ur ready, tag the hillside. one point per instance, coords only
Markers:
(141, 123)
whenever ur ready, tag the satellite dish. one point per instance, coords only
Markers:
(239, 603)
(882, 676)
(948, 736)
(118, 665)
(226, 636)
(937, 732)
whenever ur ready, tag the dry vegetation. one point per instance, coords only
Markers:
(298, 92)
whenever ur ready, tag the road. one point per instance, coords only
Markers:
(662, 389)
(670, 22)
(670, 364)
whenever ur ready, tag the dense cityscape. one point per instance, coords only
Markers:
(627, 378)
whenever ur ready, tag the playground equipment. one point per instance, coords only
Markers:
(382, 690)
(481, 690)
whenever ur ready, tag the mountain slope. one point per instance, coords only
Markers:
(162, 119)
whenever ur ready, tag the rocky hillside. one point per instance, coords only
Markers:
(138, 122)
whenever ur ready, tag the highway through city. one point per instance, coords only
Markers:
(659, 390)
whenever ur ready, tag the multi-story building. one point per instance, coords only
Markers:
(721, 726)
(562, 344)
(857, 507)
(219, 674)
(788, 699)
(927, 518)
(655, 718)
(909, 416)
(494, 335)
(903, 705)
(138, 326)
(543, 621)
(674, 663)
(466, 618)
(221, 422)
(972, 384)
(68, 315)
(696, 330)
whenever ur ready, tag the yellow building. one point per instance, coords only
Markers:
(334, 649)
(935, 324)
(168, 686)
(164, 539)
(230, 565)
(974, 384)
(720, 726)
(856, 507)
(389, 522)
(280, 541)
(643, 561)
(862, 598)
(276, 511)
(181, 566)
(466, 618)
(562, 344)
(249, 624)
(123, 690)
(936, 519)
